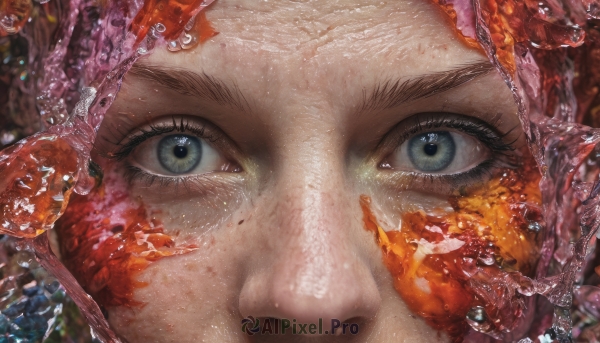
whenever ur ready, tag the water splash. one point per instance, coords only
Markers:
(547, 51)
(69, 83)
(33, 303)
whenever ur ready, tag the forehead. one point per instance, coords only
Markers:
(297, 43)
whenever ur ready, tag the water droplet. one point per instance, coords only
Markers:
(8, 23)
(51, 120)
(173, 46)
(534, 226)
(160, 28)
(7, 137)
(51, 284)
(478, 319)
(186, 39)
(487, 259)
(26, 260)
(118, 22)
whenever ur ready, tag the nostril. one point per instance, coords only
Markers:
(313, 278)
(273, 292)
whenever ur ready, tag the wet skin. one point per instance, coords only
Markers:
(269, 222)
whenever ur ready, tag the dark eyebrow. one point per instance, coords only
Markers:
(193, 84)
(393, 93)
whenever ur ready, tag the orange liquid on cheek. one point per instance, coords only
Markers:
(436, 260)
(106, 240)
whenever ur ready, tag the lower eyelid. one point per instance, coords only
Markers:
(198, 185)
(442, 184)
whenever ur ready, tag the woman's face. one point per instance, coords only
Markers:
(234, 173)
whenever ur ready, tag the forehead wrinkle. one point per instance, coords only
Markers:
(189, 83)
(297, 25)
(396, 92)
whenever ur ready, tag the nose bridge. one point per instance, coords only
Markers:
(308, 219)
(314, 272)
(311, 213)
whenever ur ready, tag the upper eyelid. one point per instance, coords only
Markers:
(200, 128)
(472, 126)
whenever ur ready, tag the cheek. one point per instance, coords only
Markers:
(189, 298)
(107, 238)
(459, 266)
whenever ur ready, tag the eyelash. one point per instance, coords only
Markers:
(184, 125)
(503, 155)
(502, 152)
(180, 125)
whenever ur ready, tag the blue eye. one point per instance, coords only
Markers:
(432, 151)
(179, 154)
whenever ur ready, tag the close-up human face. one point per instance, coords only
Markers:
(299, 171)
(313, 161)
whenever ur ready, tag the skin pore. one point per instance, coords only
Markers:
(301, 110)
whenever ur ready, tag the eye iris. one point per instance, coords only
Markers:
(432, 151)
(179, 154)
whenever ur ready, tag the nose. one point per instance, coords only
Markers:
(312, 268)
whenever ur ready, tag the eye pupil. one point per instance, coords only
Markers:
(180, 151)
(430, 149)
